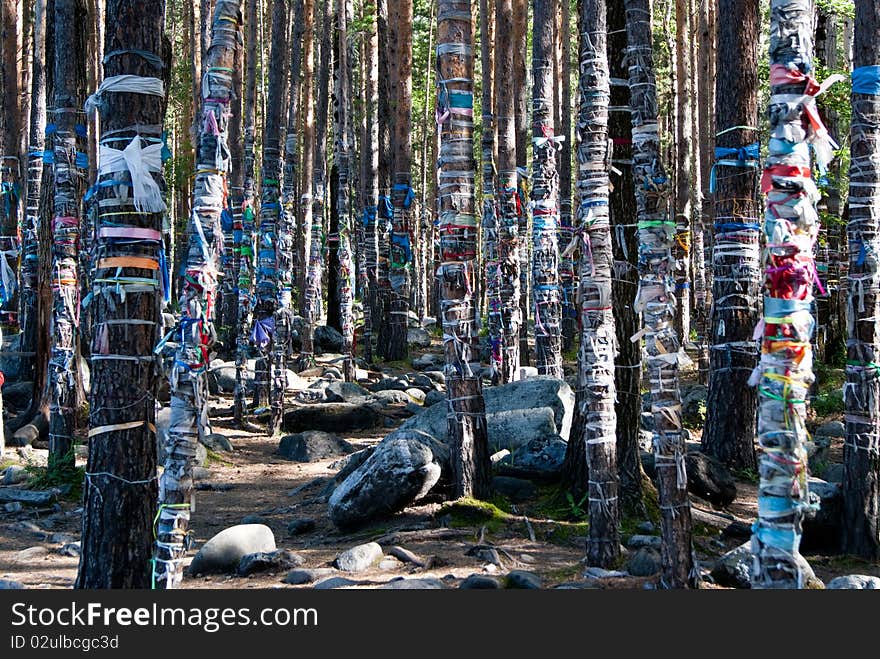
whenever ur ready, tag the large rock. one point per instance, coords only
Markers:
(831, 429)
(224, 551)
(303, 576)
(425, 583)
(269, 561)
(710, 479)
(359, 558)
(332, 417)
(854, 582)
(17, 395)
(10, 364)
(645, 562)
(734, 568)
(327, 339)
(693, 404)
(429, 362)
(539, 458)
(313, 445)
(417, 337)
(397, 473)
(225, 375)
(340, 391)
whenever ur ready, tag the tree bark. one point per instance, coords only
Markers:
(119, 498)
(731, 405)
(566, 264)
(521, 120)
(466, 420)
(505, 270)
(683, 171)
(784, 373)
(625, 282)
(10, 165)
(370, 182)
(861, 483)
(657, 302)
(545, 197)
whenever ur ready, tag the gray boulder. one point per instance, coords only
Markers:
(224, 551)
(359, 558)
(434, 397)
(831, 429)
(693, 404)
(387, 397)
(10, 364)
(331, 417)
(854, 582)
(418, 338)
(429, 362)
(539, 458)
(734, 568)
(523, 580)
(17, 395)
(340, 391)
(272, 561)
(327, 339)
(217, 442)
(225, 375)
(8, 584)
(312, 446)
(302, 576)
(397, 473)
(710, 479)
(480, 582)
(335, 582)
(302, 525)
(645, 562)
(14, 474)
(426, 583)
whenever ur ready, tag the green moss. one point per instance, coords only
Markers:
(565, 573)
(467, 512)
(215, 458)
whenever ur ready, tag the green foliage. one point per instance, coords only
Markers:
(825, 404)
(747, 475)
(842, 8)
(62, 473)
(468, 511)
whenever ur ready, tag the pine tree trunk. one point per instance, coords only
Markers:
(566, 263)
(310, 283)
(119, 498)
(736, 258)
(36, 147)
(597, 348)
(625, 283)
(521, 119)
(273, 245)
(290, 185)
(345, 251)
(400, 252)
(504, 271)
(67, 165)
(861, 483)
(466, 420)
(683, 172)
(545, 197)
(10, 167)
(785, 372)
(245, 241)
(370, 159)
(657, 302)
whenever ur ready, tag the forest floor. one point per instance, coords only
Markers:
(545, 535)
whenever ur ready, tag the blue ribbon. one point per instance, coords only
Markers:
(263, 331)
(746, 156)
(866, 80)
(370, 213)
(410, 193)
(386, 210)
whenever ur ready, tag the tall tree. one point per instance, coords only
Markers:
(861, 483)
(566, 264)
(194, 332)
(119, 498)
(342, 155)
(683, 169)
(506, 266)
(791, 225)
(545, 196)
(521, 120)
(10, 166)
(466, 420)
(596, 356)
(736, 257)
(402, 194)
(625, 282)
(68, 160)
(370, 180)
(657, 301)
(245, 241)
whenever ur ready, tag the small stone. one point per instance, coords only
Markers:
(253, 519)
(485, 554)
(644, 563)
(12, 507)
(480, 582)
(201, 474)
(302, 576)
(389, 563)
(8, 584)
(526, 558)
(334, 582)
(599, 573)
(359, 558)
(734, 568)
(217, 442)
(434, 397)
(854, 582)
(299, 526)
(406, 556)
(275, 561)
(72, 549)
(61, 538)
(416, 395)
(523, 580)
(313, 445)
(427, 583)
(646, 527)
(638, 541)
(14, 474)
(491, 568)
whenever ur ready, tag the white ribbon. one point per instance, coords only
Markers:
(140, 163)
(131, 84)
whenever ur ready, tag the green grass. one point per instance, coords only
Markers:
(466, 512)
(60, 474)
(216, 458)
(748, 475)
(826, 404)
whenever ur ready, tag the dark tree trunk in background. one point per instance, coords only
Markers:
(466, 420)
(657, 302)
(10, 167)
(683, 171)
(521, 119)
(625, 282)
(736, 257)
(370, 183)
(67, 172)
(400, 254)
(861, 483)
(506, 270)
(545, 197)
(246, 244)
(119, 499)
(385, 119)
(566, 264)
